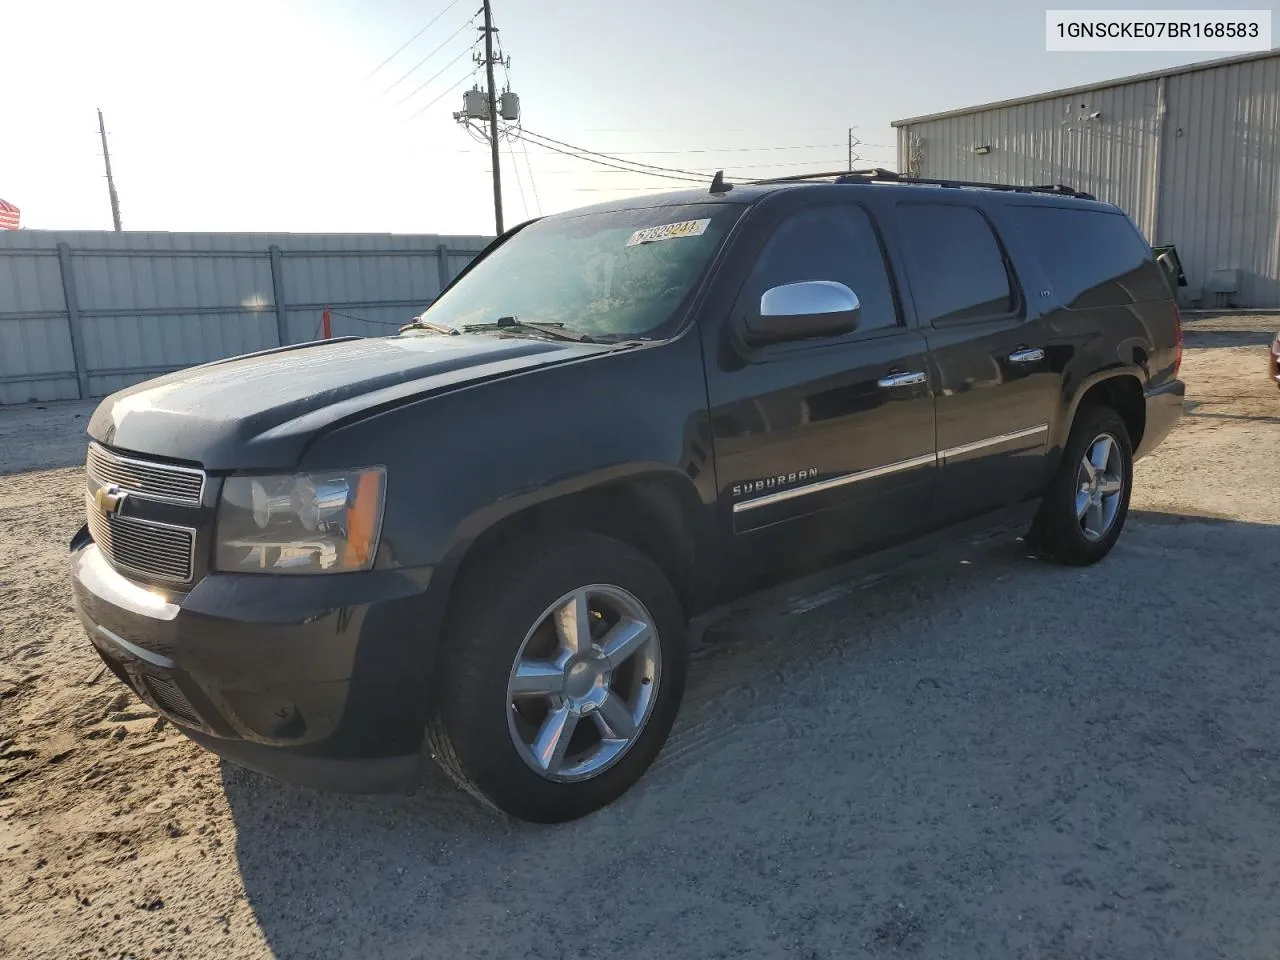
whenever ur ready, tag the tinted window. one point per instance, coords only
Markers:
(957, 268)
(834, 242)
(1093, 259)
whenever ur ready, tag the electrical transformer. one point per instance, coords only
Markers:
(475, 105)
(509, 105)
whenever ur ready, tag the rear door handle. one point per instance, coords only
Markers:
(902, 380)
(1027, 355)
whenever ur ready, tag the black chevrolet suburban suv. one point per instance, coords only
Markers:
(483, 539)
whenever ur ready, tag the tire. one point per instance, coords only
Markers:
(1059, 532)
(495, 728)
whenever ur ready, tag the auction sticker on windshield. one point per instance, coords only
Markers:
(669, 231)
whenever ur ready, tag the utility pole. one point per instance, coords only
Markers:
(111, 184)
(493, 118)
(853, 142)
(482, 109)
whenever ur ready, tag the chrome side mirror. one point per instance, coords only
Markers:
(802, 311)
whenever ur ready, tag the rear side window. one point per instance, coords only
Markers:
(1092, 258)
(830, 242)
(958, 270)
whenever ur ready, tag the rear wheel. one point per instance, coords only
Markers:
(1087, 502)
(563, 672)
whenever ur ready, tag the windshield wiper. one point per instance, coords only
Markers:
(555, 330)
(419, 323)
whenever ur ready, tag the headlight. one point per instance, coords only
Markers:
(325, 522)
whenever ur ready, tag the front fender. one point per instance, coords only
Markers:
(489, 515)
(460, 461)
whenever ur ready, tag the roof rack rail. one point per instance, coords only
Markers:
(797, 177)
(857, 176)
(881, 175)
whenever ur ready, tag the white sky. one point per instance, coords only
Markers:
(243, 115)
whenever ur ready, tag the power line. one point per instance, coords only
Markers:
(411, 39)
(444, 93)
(807, 146)
(435, 75)
(815, 146)
(817, 128)
(524, 146)
(431, 54)
(799, 146)
(818, 164)
(803, 146)
(635, 166)
(636, 163)
(519, 183)
(618, 190)
(698, 178)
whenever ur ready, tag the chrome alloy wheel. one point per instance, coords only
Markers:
(1099, 487)
(583, 683)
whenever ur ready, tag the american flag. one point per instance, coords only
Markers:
(8, 216)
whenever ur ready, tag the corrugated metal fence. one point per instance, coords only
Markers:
(83, 314)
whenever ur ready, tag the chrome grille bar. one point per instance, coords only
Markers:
(155, 481)
(159, 550)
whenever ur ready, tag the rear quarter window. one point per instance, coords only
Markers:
(1092, 258)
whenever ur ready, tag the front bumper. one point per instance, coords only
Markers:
(1164, 409)
(320, 680)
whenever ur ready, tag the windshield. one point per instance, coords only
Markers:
(614, 276)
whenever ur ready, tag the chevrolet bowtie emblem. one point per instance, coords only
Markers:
(109, 498)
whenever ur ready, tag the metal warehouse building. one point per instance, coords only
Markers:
(1192, 154)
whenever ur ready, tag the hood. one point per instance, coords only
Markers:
(260, 411)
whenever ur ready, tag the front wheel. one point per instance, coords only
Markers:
(1087, 502)
(563, 670)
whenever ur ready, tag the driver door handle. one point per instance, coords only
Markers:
(902, 380)
(1027, 355)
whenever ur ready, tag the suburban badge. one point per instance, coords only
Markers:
(772, 483)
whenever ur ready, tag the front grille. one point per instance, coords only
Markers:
(158, 550)
(157, 481)
(166, 697)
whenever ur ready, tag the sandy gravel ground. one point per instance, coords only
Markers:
(983, 756)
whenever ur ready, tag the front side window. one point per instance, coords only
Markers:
(958, 271)
(829, 242)
(614, 275)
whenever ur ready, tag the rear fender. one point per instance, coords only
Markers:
(1073, 393)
